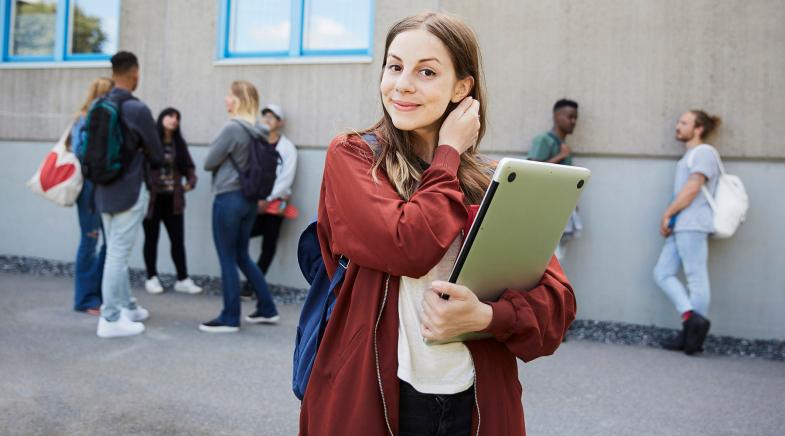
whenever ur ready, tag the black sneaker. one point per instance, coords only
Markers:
(257, 318)
(247, 292)
(696, 329)
(216, 326)
(676, 343)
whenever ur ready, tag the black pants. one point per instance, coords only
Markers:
(435, 414)
(268, 227)
(163, 211)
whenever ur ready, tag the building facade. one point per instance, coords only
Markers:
(634, 67)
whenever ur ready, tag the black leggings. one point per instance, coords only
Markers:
(268, 227)
(163, 211)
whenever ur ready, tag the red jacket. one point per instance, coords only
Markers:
(353, 389)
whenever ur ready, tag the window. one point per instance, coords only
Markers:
(295, 28)
(59, 30)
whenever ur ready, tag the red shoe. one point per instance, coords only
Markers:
(95, 311)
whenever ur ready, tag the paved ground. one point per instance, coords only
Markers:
(58, 378)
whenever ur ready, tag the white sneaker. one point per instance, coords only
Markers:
(135, 315)
(187, 285)
(153, 285)
(122, 327)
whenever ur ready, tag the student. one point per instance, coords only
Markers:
(551, 147)
(268, 224)
(234, 214)
(167, 203)
(123, 202)
(686, 225)
(89, 261)
(393, 202)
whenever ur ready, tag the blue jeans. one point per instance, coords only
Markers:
(233, 218)
(690, 251)
(121, 230)
(89, 261)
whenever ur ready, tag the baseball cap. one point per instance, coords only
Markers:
(275, 109)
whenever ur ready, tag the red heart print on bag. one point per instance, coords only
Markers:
(53, 174)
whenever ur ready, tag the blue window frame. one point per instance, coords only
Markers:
(295, 28)
(58, 30)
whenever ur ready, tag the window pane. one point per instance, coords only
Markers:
(336, 24)
(33, 27)
(260, 26)
(94, 26)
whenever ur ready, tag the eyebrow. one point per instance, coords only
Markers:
(420, 61)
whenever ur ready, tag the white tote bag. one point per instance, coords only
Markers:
(730, 201)
(59, 177)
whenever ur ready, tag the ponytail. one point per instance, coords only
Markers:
(708, 122)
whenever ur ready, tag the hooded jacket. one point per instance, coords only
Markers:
(354, 388)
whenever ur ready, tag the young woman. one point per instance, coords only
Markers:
(167, 203)
(234, 214)
(393, 202)
(89, 261)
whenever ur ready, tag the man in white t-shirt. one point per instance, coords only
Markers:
(686, 224)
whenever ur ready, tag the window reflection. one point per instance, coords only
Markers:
(336, 24)
(33, 27)
(260, 26)
(94, 26)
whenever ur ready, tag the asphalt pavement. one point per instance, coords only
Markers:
(58, 378)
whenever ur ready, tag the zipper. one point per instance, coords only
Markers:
(376, 353)
(476, 403)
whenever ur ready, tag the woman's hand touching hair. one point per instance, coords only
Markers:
(462, 126)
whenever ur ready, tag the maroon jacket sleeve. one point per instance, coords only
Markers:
(368, 222)
(533, 323)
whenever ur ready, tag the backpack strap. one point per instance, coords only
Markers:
(251, 137)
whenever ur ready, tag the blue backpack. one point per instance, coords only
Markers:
(317, 308)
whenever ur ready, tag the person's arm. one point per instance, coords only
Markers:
(683, 199)
(368, 222)
(219, 149)
(190, 170)
(564, 153)
(529, 323)
(704, 167)
(284, 180)
(151, 143)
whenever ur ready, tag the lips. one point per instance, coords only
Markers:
(404, 106)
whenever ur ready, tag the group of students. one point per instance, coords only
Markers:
(151, 191)
(391, 212)
(686, 223)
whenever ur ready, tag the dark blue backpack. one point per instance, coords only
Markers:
(317, 308)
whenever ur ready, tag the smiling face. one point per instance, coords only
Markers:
(419, 81)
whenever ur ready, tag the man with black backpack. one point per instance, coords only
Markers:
(120, 135)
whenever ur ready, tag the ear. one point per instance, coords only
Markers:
(462, 88)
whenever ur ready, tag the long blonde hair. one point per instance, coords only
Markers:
(100, 87)
(247, 98)
(397, 154)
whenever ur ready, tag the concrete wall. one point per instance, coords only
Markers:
(633, 66)
(610, 265)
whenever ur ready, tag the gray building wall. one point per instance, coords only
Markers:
(633, 66)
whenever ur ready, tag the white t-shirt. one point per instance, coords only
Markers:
(431, 369)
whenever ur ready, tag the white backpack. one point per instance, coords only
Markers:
(730, 201)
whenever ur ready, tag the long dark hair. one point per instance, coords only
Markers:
(397, 156)
(181, 155)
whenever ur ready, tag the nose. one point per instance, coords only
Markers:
(404, 84)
